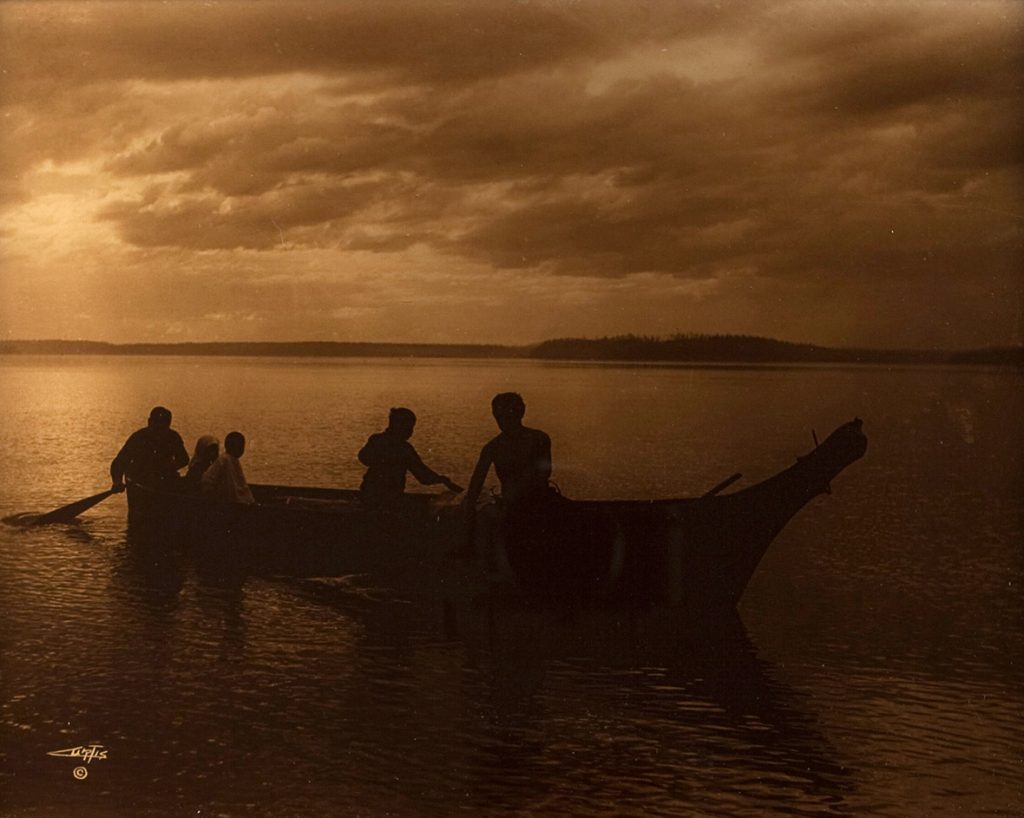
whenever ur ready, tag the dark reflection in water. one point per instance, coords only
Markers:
(148, 575)
(641, 711)
(505, 708)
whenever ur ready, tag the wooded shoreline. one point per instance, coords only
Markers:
(625, 348)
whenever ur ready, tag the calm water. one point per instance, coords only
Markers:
(876, 670)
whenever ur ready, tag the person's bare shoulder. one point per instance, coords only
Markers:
(540, 437)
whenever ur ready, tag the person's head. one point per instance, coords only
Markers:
(160, 418)
(508, 409)
(207, 448)
(402, 421)
(234, 443)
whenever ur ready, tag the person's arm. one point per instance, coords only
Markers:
(119, 464)
(476, 482)
(118, 473)
(543, 461)
(179, 457)
(368, 454)
(243, 494)
(476, 485)
(426, 475)
(451, 485)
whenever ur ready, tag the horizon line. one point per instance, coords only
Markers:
(651, 339)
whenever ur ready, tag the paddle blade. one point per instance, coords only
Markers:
(71, 510)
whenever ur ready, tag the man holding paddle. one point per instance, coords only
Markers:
(151, 455)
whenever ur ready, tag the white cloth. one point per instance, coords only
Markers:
(225, 481)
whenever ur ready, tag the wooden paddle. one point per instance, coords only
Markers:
(728, 481)
(63, 514)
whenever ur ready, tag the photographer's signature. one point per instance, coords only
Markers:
(86, 752)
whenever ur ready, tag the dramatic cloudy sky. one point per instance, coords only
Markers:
(833, 171)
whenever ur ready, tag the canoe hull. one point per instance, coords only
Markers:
(293, 529)
(695, 552)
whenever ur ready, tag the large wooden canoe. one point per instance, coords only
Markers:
(298, 529)
(697, 552)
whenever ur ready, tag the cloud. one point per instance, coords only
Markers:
(784, 145)
(165, 216)
(872, 58)
(463, 42)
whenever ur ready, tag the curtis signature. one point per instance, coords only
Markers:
(87, 752)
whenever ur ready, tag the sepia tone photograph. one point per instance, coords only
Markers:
(511, 408)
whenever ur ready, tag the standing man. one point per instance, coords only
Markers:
(152, 455)
(521, 457)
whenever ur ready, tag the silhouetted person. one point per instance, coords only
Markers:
(224, 480)
(388, 455)
(521, 456)
(152, 455)
(206, 452)
(532, 516)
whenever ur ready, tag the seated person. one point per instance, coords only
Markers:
(206, 452)
(152, 455)
(224, 480)
(388, 455)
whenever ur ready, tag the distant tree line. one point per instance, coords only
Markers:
(749, 349)
(300, 349)
(620, 348)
